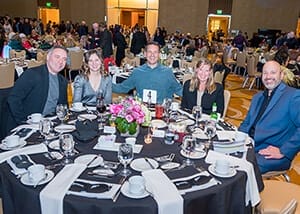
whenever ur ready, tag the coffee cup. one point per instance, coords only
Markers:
(130, 140)
(136, 185)
(240, 136)
(35, 117)
(170, 137)
(174, 106)
(36, 172)
(222, 167)
(77, 105)
(12, 141)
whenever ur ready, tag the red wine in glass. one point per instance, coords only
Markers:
(101, 108)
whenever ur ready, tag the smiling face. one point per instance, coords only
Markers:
(203, 72)
(56, 60)
(271, 75)
(152, 55)
(94, 63)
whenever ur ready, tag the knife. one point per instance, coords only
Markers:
(122, 181)
(150, 164)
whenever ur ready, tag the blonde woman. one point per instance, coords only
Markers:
(202, 90)
(93, 81)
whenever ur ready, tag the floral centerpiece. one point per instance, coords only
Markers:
(129, 114)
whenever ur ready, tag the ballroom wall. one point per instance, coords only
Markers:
(25, 8)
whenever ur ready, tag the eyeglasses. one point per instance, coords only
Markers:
(78, 186)
(199, 180)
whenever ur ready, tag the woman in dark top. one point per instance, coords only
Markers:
(202, 90)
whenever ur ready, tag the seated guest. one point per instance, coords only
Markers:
(92, 81)
(273, 121)
(203, 90)
(39, 89)
(151, 76)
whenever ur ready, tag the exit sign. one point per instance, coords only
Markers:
(219, 12)
(48, 4)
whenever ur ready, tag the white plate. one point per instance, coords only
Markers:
(158, 124)
(170, 165)
(141, 164)
(25, 179)
(231, 173)
(78, 109)
(29, 121)
(85, 159)
(87, 117)
(22, 143)
(54, 145)
(193, 155)
(64, 128)
(125, 191)
(187, 122)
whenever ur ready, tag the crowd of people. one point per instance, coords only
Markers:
(272, 121)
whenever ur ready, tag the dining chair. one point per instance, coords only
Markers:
(240, 62)
(219, 76)
(76, 62)
(279, 197)
(41, 55)
(17, 54)
(7, 74)
(35, 63)
(227, 96)
(252, 73)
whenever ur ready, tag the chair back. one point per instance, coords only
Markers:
(17, 54)
(186, 77)
(227, 96)
(251, 67)
(241, 59)
(7, 74)
(76, 59)
(34, 63)
(41, 55)
(219, 76)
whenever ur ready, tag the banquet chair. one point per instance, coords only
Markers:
(279, 197)
(34, 63)
(227, 96)
(219, 76)
(186, 77)
(240, 62)
(7, 73)
(17, 54)
(76, 62)
(251, 72)
(41, 55)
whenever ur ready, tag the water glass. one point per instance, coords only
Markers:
(61, 112)
(188, 146)
(210, 130)
(197, 112)
(66, 144)
(125, 156)
(45, 128)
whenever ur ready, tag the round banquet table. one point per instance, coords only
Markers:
(228, 197)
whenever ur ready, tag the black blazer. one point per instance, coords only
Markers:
(30, 92)
(189, 99)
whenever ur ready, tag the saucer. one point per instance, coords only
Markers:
(63, 128)
(125, 191)
(231, 173)
(193, 155)
(87, 117)
(54, 145)
(78, 109)
(26, 181)
(85, 159)
(141, 165)
(22, 143)
(187, 122)
(158, 124)
(29, 121)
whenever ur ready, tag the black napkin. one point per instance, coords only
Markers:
(199, 180)
(78, 186)
(86, 130)
(21, 161)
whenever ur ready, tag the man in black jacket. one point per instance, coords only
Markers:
(39, 89)
(105, 41)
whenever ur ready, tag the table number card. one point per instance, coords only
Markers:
(147, 92)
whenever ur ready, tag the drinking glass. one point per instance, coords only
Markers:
(61, 112)
(197, 112)
(101, 108)
(167, 107)
(45, 128)
(125, 156)
(188, 146)
(210, 130)
(66, 145)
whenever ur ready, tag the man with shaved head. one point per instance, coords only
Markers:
(273, 121)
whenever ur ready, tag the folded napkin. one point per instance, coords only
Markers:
(198, 181)
(19, 164)
(225, 135)
(34, 149)
(252, 193)
(106, 194)
(51, 197)
(137, 148)
(86, 130)
(164, 192)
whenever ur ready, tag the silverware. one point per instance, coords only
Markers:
(93, 159)
(122, 181)
(150, 164)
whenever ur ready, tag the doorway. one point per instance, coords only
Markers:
(131, 17)
(47, 14)
(218, 27)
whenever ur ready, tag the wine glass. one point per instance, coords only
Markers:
(101, 108)
(66, 145)
(188, 146)
(125, 156)
(61, 112)
(210, 130)
(45, 128)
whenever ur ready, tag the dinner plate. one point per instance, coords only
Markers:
(170, 165)
(231, 172)
(87, 117)
(29, 121)
(63, 128)
(158, 124)
(141, 164)
(78, 109)
(125, 191)
(85, 159)
(187, 122)
(193, 155)
(22, 143)
(27, 181)
(54, 145)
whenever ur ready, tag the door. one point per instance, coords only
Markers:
(218, 27)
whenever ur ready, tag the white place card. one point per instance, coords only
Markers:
(147, 92)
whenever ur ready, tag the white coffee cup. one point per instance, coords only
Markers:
(174, 106)
(35, 117)
(130, 140)
(222, 167)
(12, 141)
(36, 172)
(136, 185)
(77, 105)
(240, 136)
